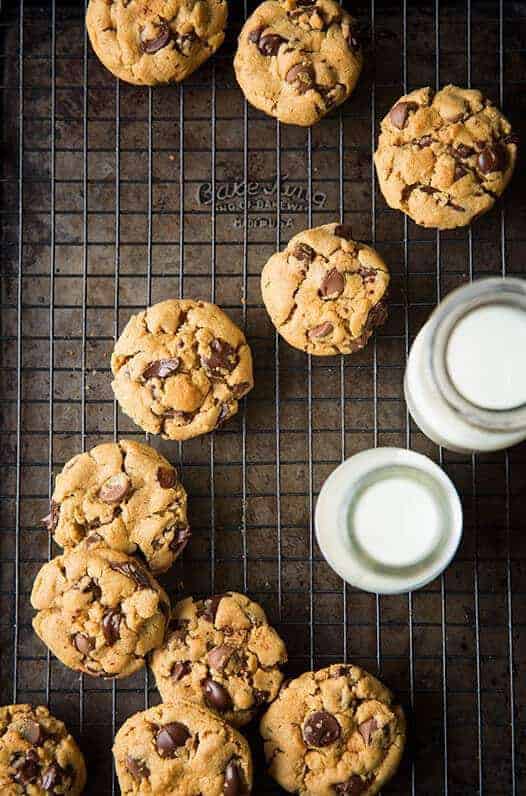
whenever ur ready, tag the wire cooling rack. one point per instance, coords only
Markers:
(114, 197)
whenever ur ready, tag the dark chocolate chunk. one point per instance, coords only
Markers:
(218, 657)
(463, 151)
(460, 171)
(332, 284)
(132, 570)
(51, 777)
(321, 729)
(83, 643)
(183, 43)
(33, 733)
(240, 389)
(179, 670)
(255, 34)
(151, 46)
(513, 138)
(222, 357)
(321, 331)
(303, 252)
(111, 622)
(170, 737)
(161, 368)
(51, 519)
(366, 729)
(167, 477)
(302, 75)
(234, 785)
(216, 695)
(423, 142)
(115, 488)
(343, 231)
(26, 768)
(94, 589)
(354, 786)
(492, 158)
(270, 43)
(210, 607)
(429, 189)
(180, 540)
(400, 113)
(137, 768)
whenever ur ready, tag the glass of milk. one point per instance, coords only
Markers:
(388, 520)
(465, 381)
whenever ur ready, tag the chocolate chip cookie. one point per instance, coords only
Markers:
(37, 754)
(298, 59)
(444, 158)
(129, 494)
(335, 731)
(181, 748)
(180, 368)
(99, 611)
(221, 653)
(326, 292)
(150, 42)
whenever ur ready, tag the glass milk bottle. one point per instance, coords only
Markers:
(465, 381)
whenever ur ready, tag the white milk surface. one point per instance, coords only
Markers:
(486, 357)
(396, 521)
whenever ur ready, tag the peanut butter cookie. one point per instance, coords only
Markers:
(444, 158)
(298, 59)
(223, 654)
(325, 293)
(335, 731)
(129, 494)
(180, 368)
(150, 42)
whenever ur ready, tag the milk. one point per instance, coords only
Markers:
(465, 381)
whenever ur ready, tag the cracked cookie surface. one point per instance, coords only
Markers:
(38, 756)
(129, 495)
(99, 610)
(181, 748)
(444, 158)
(221, 653)
(150, 42)
(180, 368)
(334, 732)
(325, 293)
(298, 59)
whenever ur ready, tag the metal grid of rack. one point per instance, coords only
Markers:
(114, 197)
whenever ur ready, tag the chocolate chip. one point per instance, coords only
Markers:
(460, 172)
(161, 368)
(167, 477)
(513, 138)
(332, 284)
(180, 540)
(302, 75)
(51, 776)
(111, 622)
(377, 315)
(366, 729)
(210, 607)
(400, 113)
(180, 670)
(463, 151)
(224, 413)
(453, 206)
(216, 695)
(303, 252)
(33, 733)
(406, 192)
(367, 274)
(132, 570)
(93, 538)
(218, 657)
(26, 768)
(354, 786)
(423, 142)
(183, 43)
(255, 34)
(270, 44)
(137, 768)
(240, 389)
(428, 189)
(170, 737)
(306, 2)
(343, 231)
(151, 46)
(492, 158)
(223, 357)
(94, 589)
(234, 785)
(321, 331)
(260, 697)
(83, 643)
(115, 488)
(321, 729)
(51, 519)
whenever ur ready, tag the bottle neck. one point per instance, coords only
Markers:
(468, 364)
